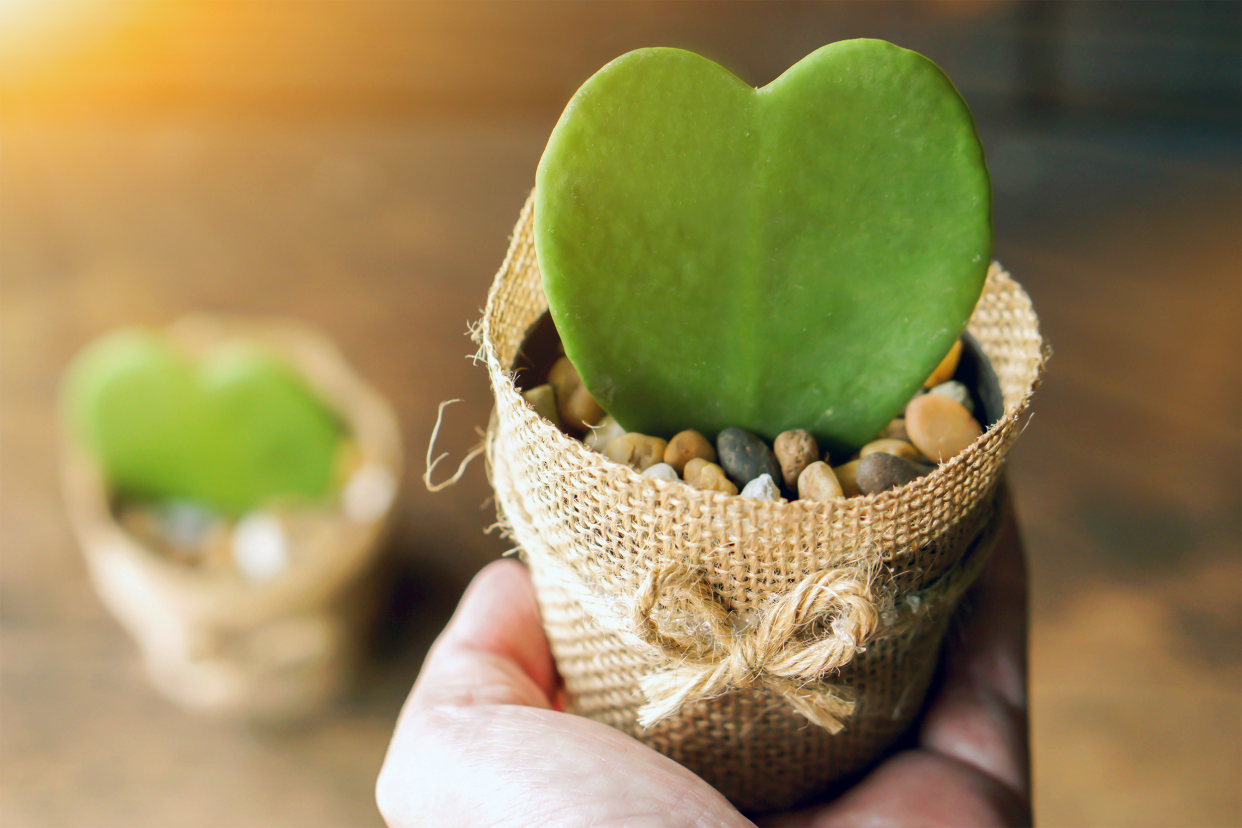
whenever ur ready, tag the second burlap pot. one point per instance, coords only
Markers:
(213, 641)
(771, 648)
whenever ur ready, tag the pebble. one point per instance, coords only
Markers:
(703, 474)
(581, 411)
(762, 488)
(662, 471)
(744, 456)
(819, 483)
(955, 390)
(368, 494)
(260, 550)
(578, 409)
(185, 524)
(897, 448)
(543, 399)
(563, 376)
(940, 427)
(182, 531)
(795, 450)
(638, 451)
(847, 476)
(693, 468)
(945, 370)
(880, 472)
(917, 394)
(603, 433)
(686, 446)
(896, 430)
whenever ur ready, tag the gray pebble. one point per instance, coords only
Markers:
(662, 471)
(880, 472)
(744, 456)
(762, 488)
(955, 390)
(185, 523)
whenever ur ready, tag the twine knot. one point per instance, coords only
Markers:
(816, 628)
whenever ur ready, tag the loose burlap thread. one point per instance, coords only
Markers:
(771, 648)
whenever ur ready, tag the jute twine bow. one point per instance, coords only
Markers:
(817, 628)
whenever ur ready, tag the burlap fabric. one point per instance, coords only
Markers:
(771, 648)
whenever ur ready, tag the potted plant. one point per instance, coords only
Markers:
(743, 265)
(229, 481)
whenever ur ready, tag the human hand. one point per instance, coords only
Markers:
(482, 740)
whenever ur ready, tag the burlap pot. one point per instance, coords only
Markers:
(214, 642)
(771, 648)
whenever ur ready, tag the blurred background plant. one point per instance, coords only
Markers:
(360, 165)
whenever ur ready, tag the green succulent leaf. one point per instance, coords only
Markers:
(796, 256)
(231, 432)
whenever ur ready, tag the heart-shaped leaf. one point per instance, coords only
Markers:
(796, 256)
(231, 432)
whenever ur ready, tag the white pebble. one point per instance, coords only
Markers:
(762, 488)
(368, 494)
(662, 471)
(603, 433)
(259, 548)
(955, 390)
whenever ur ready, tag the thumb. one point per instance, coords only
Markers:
(493, 651)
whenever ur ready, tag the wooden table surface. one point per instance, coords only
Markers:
(385, 234)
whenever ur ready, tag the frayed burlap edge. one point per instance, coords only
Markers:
(770, 647)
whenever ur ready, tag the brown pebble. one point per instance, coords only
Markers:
(940, 427)
(896, 430)
(693, 467)
(880, 472)
(818, 483)
(563, 376)
(580, 411)
(897, 448)
(686, 446)
(795, 450)
(945, 370)
(917, 394)
(543, 399)
(638, 451)
(703, 474)
(847, 476)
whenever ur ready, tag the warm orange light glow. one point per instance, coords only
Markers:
(30, 27)
(13, 9)
(20, 16)
(50, 48)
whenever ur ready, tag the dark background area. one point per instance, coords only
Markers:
(360, 166)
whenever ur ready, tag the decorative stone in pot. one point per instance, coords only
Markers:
(242, 608)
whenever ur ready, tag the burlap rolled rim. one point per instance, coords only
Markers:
(197, 632)
(717, 593)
